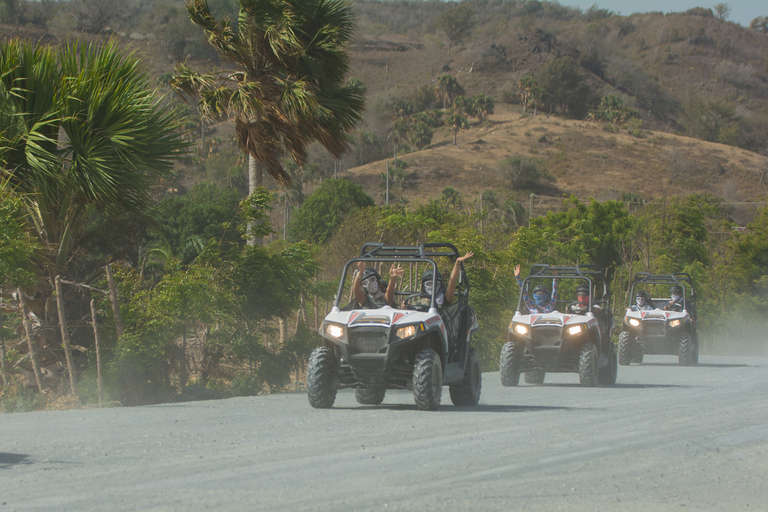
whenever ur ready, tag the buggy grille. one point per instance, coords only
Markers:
(653, 327)
(547, 335)
(367, 341)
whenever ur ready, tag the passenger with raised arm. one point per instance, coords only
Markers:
(367, 286)
(543, 301)
(443, 296)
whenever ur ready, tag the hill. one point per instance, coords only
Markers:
(585, 160)
(698, 83)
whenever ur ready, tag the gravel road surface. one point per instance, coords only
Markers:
(663, 438)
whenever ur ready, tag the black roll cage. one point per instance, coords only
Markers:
(594, 274)
(679, 278)
(376, 252)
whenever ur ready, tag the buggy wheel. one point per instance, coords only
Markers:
(467, 392)
(370, 396)
(588, 365)
(625, 349)
(637, 351)
(534, 376)
(509, 364)
(321, 374)
(607, 374)
(427, 380)
(685, 356)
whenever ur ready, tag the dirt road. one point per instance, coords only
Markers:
(664, 438)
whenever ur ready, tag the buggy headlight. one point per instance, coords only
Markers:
(674, 323)
(521, 329)
(634, 322)
(575, 329)
(334, 331)
(405, 332)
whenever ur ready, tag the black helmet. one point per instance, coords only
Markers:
(540, 288)
(583, 288)
(368, 272)
(676, 289)
(427, 276)
(643, 294)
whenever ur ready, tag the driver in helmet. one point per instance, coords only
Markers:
(373, 292)
(581, 306)
(543, 301)
(676, 301)
(642, 301)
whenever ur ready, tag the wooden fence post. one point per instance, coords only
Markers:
(113, 300)
(2, 355)
(65, 334)
(97, 343)
(32, 353)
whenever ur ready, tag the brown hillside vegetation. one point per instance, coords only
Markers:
(586, 161)
(654, 62)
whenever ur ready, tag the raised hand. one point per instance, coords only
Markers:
(465, 257)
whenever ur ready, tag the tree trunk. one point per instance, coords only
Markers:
(2, 355)
(32, 353)
(255, 180)
(97, 344)
(183, 361)
(65, 334)
(317, 314)
(281, 327)
(114, 302)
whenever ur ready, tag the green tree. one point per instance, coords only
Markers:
(457, 22)
(482, 106)
(710, 120)
(523, 172)
(325, 209)
(288, 89)
(80, 131)
(456, 122)
(525, 84)
(17, 246)
(448, 88)
(190, 221)
(565, 88)
(420, 134)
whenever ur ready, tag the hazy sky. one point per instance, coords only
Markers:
(742, 11)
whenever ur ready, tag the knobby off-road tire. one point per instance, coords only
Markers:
(427, 380)
(588, 365)
(370, 396)
(509, 364)
(467, 392)
(637, 352)
(321, 376)
(534, 376)
(625, 348)
(607, 374)
(685, 356)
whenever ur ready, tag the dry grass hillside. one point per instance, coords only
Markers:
(585, 160)
(653, 61)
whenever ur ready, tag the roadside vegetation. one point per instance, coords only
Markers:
(146, 257)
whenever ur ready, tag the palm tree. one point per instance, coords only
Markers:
(288, 89)
(80, 131)
(456, 122)
(525, 84)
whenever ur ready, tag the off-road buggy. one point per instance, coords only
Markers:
(418, 346)
(664, 329)
(572, 338)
